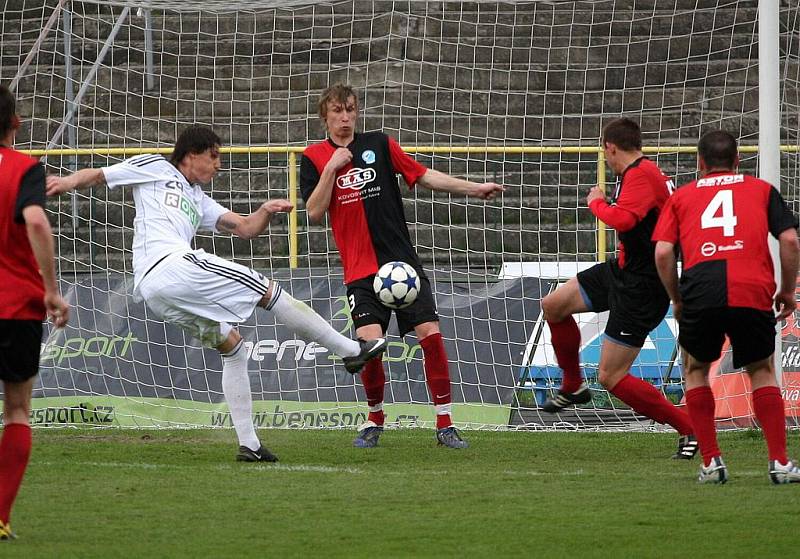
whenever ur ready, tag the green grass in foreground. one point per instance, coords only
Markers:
(111, 493)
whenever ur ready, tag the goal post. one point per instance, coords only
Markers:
(512, 92)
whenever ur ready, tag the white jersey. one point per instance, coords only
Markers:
(169, 210)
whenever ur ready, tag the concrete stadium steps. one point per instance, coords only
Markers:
(534, 75)
(342, 21)
(438, 73)
(532, 45)
(281, 106)
(453, 129)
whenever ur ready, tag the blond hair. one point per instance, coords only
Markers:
(337, 93)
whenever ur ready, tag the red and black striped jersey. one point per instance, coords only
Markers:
(22, 183)
(721, 223)
(366, 207)
(640, 194)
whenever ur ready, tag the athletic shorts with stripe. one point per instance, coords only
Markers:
(203, 294)
(637, 303)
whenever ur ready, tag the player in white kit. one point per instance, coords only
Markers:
(200, 292)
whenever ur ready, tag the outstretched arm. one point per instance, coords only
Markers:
(84, 178)
(251, 226)
(436, 180)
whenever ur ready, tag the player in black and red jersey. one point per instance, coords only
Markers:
(353, 177)
(627, 286)
(721, 222)
(28, 292)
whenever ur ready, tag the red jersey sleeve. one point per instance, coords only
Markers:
(667, 225)
(619, 218)
(636, 194)
(405, 164)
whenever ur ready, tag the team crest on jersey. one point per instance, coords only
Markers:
(368, 157)
(356, 179)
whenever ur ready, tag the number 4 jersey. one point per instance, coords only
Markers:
(721, 224)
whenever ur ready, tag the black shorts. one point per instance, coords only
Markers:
(20, 346)
(751, 331)
(366, 308)
(637, 303)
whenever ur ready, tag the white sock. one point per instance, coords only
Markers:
(307, 324)
(236, 387)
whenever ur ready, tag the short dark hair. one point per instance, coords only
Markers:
(195, 139)
(718, 149)
(623, 133)
(8, 110)
(337, 93)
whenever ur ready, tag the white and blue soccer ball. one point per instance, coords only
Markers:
(396, 284)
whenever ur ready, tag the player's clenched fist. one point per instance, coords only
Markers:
(340, 158)
(57, 185)
(57, 309)
(595, 193)
(488, 190)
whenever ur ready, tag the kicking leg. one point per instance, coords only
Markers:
(558, 308)
(306, 323)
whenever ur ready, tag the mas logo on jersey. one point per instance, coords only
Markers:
(356, 179)
(368, 157)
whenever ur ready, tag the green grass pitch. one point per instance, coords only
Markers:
(112, 493)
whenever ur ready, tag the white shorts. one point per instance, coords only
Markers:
(203, 294)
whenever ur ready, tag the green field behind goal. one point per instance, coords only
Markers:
(114, 493)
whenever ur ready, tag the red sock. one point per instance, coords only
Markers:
(373, 379)
(443, 420)
(15, 449)
(437, 374)
(700, 403)
(768, 406)
(566, 338)
(645, 398)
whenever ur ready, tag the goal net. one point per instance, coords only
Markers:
(515, 93)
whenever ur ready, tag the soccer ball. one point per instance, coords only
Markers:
(396, 284)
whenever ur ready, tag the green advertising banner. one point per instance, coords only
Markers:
(116, 364)
(152, 413)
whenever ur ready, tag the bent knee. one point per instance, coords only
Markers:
(609, 379)
(548, 307)
(273, 292)
(552, 310)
